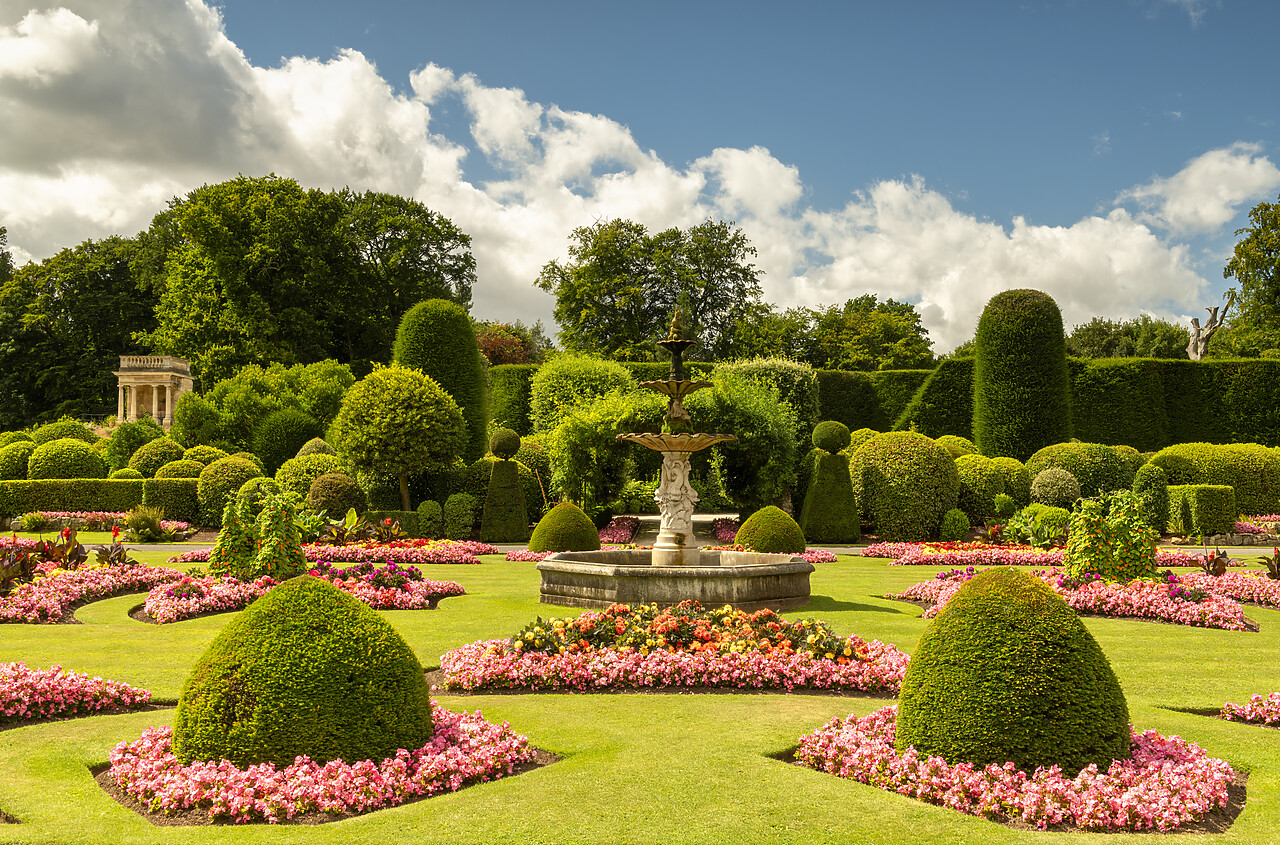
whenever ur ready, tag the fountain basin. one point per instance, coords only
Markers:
(747, 580)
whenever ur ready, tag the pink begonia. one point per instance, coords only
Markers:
(1259, 710)
(47, 599)
(41, 693)
(400, 552)
(464, 748)
(107, 519)
(493, 663)
(1166, 782)
(984, 554)
(621, 529)
(1140, 599)
(1251, 586)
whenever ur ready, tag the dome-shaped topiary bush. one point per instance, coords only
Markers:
(335, 493)
(1021, 387)
(254, 492)
(251, 458)
(154, 454)
(125, 473)
(219, 481)
(304, 670)
(1133, 459)
(505, 443)
(127, 438)
(1055, 487)
(980, 483)
(957, 445)
(772, 531)
(182, 468)
(66, 458)
(831, 435)
(565, 528)
(906, 482)
(203, 453)
(1008, 673)
(9, 437)
(280, 434)
(955, 524)
(1096, 466)
(1149, 485)
(296, 475)
(14, 459)
(1017, 481)
(857, 438)
(315, 446)
(62, 429)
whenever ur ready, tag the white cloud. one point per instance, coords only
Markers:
(44, 45)
(1194, 9)
(1208, 192)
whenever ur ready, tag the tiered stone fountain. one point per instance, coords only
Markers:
(675, 569)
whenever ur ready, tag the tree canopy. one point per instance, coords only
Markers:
(1144, 337)
(1255, 265)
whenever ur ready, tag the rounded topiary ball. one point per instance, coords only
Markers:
(219, 481)
(1008, 673)
(335, 493)
(980, 483)
(1096, 466)
(296, 475)
(66, 458)
(14, 459)
(280, 434)
(955, 524)
(154, 454)
(203, 453)
(63, 429)
(957, 445)
(1055, 487)
(179, 469)
(772, 531)
(251, 458)
(831, 435)
(504, 443)
(1017, 481)
(8, 437)
(304, 670)
(905, 482)
(565, 528)
(255, 491)
(126, 473)
(315, 446)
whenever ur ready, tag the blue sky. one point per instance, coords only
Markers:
(936, 152)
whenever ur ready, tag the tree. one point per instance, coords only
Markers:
(1255, 265)
(762, 331)
(398, 422)
(1144, 337)
(865, 334)
(512, 343)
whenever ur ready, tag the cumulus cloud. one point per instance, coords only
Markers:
(111, 108)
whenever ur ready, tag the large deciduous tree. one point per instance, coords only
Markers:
(1255, 265)
(1144, 337)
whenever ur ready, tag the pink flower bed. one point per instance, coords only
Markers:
(725, 529)
(102, 520)
(984, 554)
(533, 557)
(41, 693)
(1137, 599)
(48, 599)
(400, 552)
(1250, 586)
(1166, 783)
(463, 748)
(621, 529)
(1259, 710)
(493, 663)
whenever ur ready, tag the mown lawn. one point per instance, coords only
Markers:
(636, 768)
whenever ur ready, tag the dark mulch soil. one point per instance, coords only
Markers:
(200, 817)
(435, 677)
(109, 711)
(1249, 624)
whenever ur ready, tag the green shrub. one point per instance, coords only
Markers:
(857, 438)
(1055, 487)
(280, 434)
(1098, 468)
(305, 670)
(831, 436)
(1252, 470)
(831, 512)
(430, 519)
(511, 386)
(944, 403)
(1109, 536)
(1199, 509)
(9, 437)
(567, 382)
(504, 519)
(980, 483)
(177, 497)
(1131, 457)
(252, 495)
(1005, 506)
(248, 456)
(795, 382)
(205, 454)
(955, 524)
(335, 493)
(279, 541)
(154, 454)
(1008, 673)
(14, 459)
(315, 446)
(63, 429)
(1017, 481)
(218, 483)
(589, 465)
(1021, 387)
(906, 482)
(459, 515)
(957, 445)
(65, 458)
(68, 494)
(771, 530)
(436, 338)
(1152, 490)
(505, 443)
(234, 551)
(537, 484)
(127, 438)
(1042, 526)
(177, 469)
(125, 472)
(296, 475)
(565, 528)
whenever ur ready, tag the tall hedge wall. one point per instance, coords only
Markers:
(944, 403)
(509, 389)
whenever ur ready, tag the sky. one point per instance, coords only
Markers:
(1104, 151)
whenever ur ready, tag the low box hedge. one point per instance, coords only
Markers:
(1201, 509)
(69, 494)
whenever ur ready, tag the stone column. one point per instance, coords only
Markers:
(677, 545)
(168, 407)
(120, 404)
(155, 402)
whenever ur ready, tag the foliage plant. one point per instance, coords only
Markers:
(459, 516)
(145, 525)
(65, 458)
(296, 475)
(279, 541)
(980, 483)
(906, 482)
(955, 524)
(1151, 486)
(14, 459)
(564, 528)
(181, 468)
(1110, 537)
(127, 438)
(1097, 467)
(771, 530)
(234, 551)
(1021, 387)
(1004, 658)
(336, 493)
(571, 381)
(155, 453)
(1055, 487)
(219, 482)
(280, 434)
(1041, 526)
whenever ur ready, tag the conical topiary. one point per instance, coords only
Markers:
(504, 519)
(304, 670)
(831, 512)
(1008, 673)
(772, 531)
(565, 528)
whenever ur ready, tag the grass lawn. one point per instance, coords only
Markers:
(669, 768)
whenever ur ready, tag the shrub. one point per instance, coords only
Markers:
(280, 434)
(68, 494)
(796, 383)
(125, 472)
(1252, 470)
(315, 446)
(127, 438)
(436, 337)
(568, 382)
(65, 458)
(1152, 490)
(1109, 536)
(63, 429)
(154, 454)
(205, 454)
(831, 512)
(1007, 672)
(297, 475)
(430, 519)
(1097, 467)
(234, 551)
(335, 493)
(8, 437)
(906, 482)
(857, 438)
(772, 531)
(504, 519)
(250, 457)
(589, 465)
(1017, 481)
(177, 497)
(178, 469)
(407, 520)
(511, 386)
(253, 494)
(1038, 525)
(1005, 506)
(459, 515)
(957, 445)
(304, 670)
(1055, 487)
(980, 483)
(1199, 509)
(848, 397)
(831, 436)
(955, 524)
(279, 541)
(14, 459)
(1021, 386)
(537, 484)
(565, 528)
(1131, 457)
(505, 443)
(218, 482)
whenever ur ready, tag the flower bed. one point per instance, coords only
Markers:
(103, 520)
(680, 646)
(464, 748)
(369, 551)
(1259, 710)
(1177, 600)
(27, 693)
(724, 529)
(1166, 783)
(985, 554)
(48, 598)
(621, 529)
(1252, 586)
